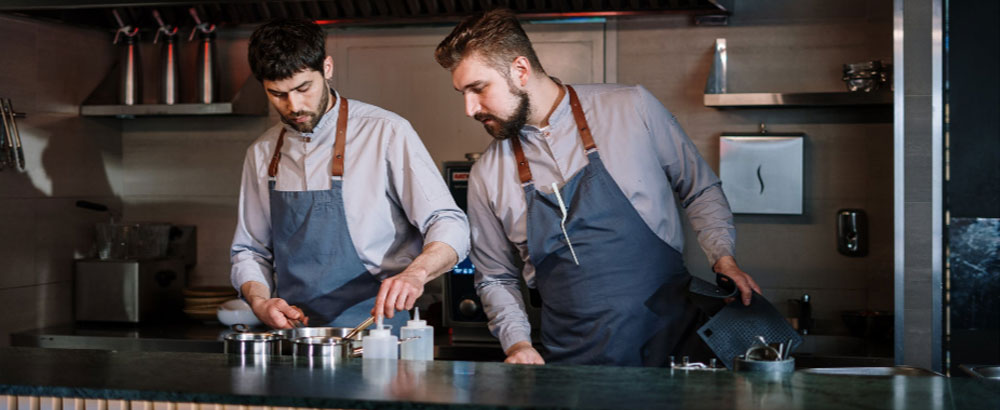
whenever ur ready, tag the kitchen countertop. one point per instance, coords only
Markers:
(283, 381)
(192, 336)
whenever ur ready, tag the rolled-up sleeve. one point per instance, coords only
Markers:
(423, 195)
(250, 253)
(696, 184)
(496, 270)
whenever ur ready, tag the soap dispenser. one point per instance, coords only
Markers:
(379, 343)
(419, 339)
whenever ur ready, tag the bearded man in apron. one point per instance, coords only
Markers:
(342, 212)
(576, 193)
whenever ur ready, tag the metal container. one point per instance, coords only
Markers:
(324, 351)
(769, 366)
(289, 336)
(132, 241)
(252, 347)
(130, 63)
(130, 291)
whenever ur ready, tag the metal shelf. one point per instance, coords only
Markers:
(127, 111)
(248, 100)
(797, 99)
(716, 95)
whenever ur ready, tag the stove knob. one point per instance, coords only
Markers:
(468, 307)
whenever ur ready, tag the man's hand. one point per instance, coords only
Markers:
(276, 313)
(399, 292)
(727, 266)
(523, 353)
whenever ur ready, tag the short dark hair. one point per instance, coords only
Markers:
(281, 48)
(496, 35)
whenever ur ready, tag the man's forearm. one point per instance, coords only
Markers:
(255, 292)
(435, 259)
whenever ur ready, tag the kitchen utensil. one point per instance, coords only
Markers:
(207, 68)
(252, 345)
(364, 324)
(129, 63)
(731, 331)
(742, 364)
(288, 336)
(7, 158)
(15, 134)
(169, 67)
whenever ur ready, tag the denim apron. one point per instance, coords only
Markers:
(625, 303)
(316, 265)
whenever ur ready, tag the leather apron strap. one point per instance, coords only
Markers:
(523, 170)
(337, 169)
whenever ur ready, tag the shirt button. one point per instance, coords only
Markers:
(308, 139)
(546, 133)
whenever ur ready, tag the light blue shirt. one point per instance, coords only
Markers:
(395, 199)
(645, 151)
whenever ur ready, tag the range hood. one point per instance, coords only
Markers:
(97, 14)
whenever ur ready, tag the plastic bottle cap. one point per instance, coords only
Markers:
(416, 323)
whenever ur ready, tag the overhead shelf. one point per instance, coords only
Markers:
(717, 97)
(138, 110)
(797, 99)
(248, 100)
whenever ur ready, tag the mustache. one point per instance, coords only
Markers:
(481, 117)
(301, 113)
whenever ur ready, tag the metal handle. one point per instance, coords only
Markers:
(366, 323)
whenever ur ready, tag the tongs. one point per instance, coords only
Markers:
(360, 327)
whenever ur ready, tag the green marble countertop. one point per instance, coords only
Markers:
(285, 381)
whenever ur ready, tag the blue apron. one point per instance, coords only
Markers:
(316, 265)
(626, 302)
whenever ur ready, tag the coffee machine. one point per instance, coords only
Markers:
(463, 310)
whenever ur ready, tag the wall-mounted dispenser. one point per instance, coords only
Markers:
(852, 232)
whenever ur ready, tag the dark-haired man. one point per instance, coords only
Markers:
(576, 193)
(342, 212)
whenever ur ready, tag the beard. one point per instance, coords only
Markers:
(504, 128)
(314, 117)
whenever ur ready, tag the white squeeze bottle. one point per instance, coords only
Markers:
(379, 343)
(421, 348)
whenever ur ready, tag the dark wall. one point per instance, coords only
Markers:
(973, 189)
(973, 64)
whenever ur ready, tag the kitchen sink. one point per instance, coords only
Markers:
(887, 371)
(982, 372)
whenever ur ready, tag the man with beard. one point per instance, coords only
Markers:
(342, 212)
(576, 193)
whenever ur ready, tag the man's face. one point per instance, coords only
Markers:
(302, 99)
(491, 97)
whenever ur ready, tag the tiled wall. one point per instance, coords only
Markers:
(47, 70)
(788, 46)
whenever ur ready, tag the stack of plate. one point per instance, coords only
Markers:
(201, 303)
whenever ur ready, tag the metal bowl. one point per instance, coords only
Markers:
(289, 336)
(252, 347)
(322, 350)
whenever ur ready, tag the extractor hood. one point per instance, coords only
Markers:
(227, 13)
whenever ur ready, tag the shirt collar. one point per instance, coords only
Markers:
(557, 115)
